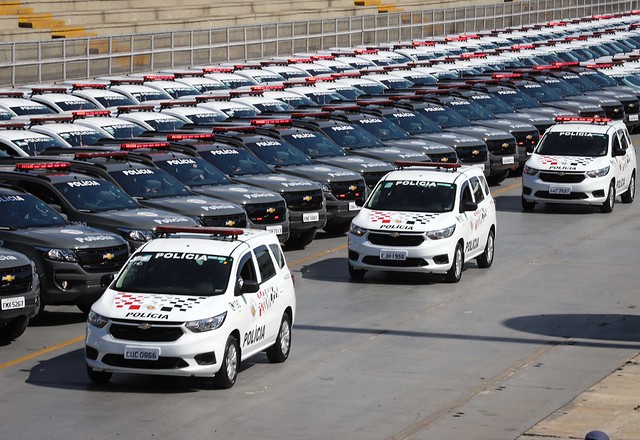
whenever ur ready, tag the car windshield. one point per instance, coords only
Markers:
(115, 100)
(235, 162)
(178, 92)
(370, 88)
(76, 104)
(149, 95)
(294, 101)
(175, 273)
(445, 117)
(165, 124)
(599, 78)
(322, 97)
(562, 87)
(272, 106)
(573, 143)
(125, 130)
(517, 99)
(148, 183)
(278, 153)
(5, 115)
(207, 118)
(383, 129)
(492, 103)
(91, 195)
(471, 110)
(352, 137)
(413, 123)
(26, 211)
(540, 92)
(413, 196)
(81, 138)
(31, 109)
(193, 171)
(314, 145)
(37, 145)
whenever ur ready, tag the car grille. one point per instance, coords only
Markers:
(163, 363)
(615, 112)
(371, 178)
(98, 260)
(562, 177)
(502, 147)
(304, 200)
(593, 114)
(477, 154)
(409, 262)
(390, 239)
(450, 157)
(527, 139)
(267, 213)
(238, 220)
(131, 331)
(349, 190)
(15, 280)
(570, 196)
(631, 106)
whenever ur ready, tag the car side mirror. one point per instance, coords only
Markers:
(244, 286)
(468, 205)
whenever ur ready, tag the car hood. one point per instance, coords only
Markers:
(565, 163)
(278, 182)
(402, 221)
(423, 145)
(240, 194)
(320, 173)
(10, 259)
(146, 218)
(69, 237)
(193, 206)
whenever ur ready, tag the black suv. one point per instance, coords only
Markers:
(19, 293)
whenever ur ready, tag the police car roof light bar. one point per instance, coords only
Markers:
(199, 230)
(405, 164)
(300, 115)
(188, 74)
(217, 69)
(80, 86)
(126, 81)
(205, 98)
(137, 146)
(238, 128)
(181, 137)
(12, 126)
(79, 114)
(177, 103)
(266, 88)
(44, 119)
(159, 78)
(11, 94)
(41, 90)
(107, 154)
(42, 166)
(134, 108)
(582, 119)
(261, 122)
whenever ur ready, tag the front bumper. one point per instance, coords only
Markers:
(569, 188)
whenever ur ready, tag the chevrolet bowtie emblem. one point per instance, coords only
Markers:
(394, 234)
(505, 145)
(108, 256)
(475, 152)
(352, 187)
(8, 278)
(444, 159)
(307, 198)
(529, 137)
(271, 210)
(144, 326)
(230, 223)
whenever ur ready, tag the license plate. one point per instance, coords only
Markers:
(560, 190)
(142, 353)
(277, 229)
(393, 255)
(353, 206)
(479, 165)
(310, 217)
(508, 160)
(633, 117)
(12, 303)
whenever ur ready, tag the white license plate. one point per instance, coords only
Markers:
(353, 206)
(560, 190)
(277, 229)
(310, 217)
(633, 117)
(508, 160)
(12, 303)
(479, 165)
(142, 353)
(393, 255)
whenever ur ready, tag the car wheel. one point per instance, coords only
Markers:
(98, 376)
(279, 352)
(455, 273)
(630, 194)
(356, 274)
(608, 204)
(485, 259)
(527, 205)
(498, 177)
(300, 240)
(226, 377)
(11, 330)
(337, 227)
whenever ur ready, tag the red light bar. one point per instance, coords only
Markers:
(300, 115)
(80, 86)
(42, 166)
(288, 84)
(217, 69)
(522, 46)
(127, 81)
(40, 90)
(260, 122)
(601, 65)
(582, 119)
(84, 113)
(205, 98)
(137, 146)
(324, 79)
(365, 51)
(188, 74)
(43, 119)
(545, 67)
(466, 56)
(461, 38)
(405, 164)
(322, 57)
(245, 128)
(177, 103)
(134, 108)
(373, 71)
(566, 63)
(246, 66)
(557, 23)
(236, 93)
(159, 78)
(506, 75)
(181, 137)
(423, 43)
(266, 88)
(396, 67)
(12, 94)
(382, 102)
(106, 154)
(345, 108)
(12, 125)
(300, 60)
(346, 75)
(273, 63)
(432, 92)
(198, 230)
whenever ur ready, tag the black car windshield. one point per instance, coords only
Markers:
(81, 138)
(124, 130)
(314, 145)
(413, 196)
(599, 78)
(561, 87)
(235, 162)
(31, 108)
(209, 118)
(27, 211)
(149, 183)
(573, 143)
(445, 117)
(115, 100)
(175, 273)
(471, 110)
(91, 195)
(165, 124)
(36, 145)
(352, 137)
(492, 104)
(540, 92)
(193, 171)
(74, 104)
(413, 123)
(294, 101)
(278, 153)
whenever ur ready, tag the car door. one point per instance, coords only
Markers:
(624, 164)
(270, 296)
(476, 228)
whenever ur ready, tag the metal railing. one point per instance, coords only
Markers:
(81, 58)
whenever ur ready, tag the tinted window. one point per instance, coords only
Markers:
(265, 263)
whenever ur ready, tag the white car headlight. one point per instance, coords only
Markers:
(357, 230)
(598, 173)
(59, 254)
(137, 234)
(207, 324)
(96, 319)
(441, 233)
(326, 187)
(530, 171)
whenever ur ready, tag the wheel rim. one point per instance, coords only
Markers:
(285, 337)
(632, 187)
(232, 361)
(458, 262)
(490, 247)
(611, 196)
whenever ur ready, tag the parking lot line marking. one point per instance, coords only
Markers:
(40, 352)
(506, 188)
(318, 255)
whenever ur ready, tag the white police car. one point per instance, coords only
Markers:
(425, 217)
(581, 161)
(195, 302)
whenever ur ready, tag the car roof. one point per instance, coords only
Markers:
(209, 244)
(587, 127)
(436, 174)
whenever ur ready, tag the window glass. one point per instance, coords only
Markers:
(277, 253)
(265, 263)
(476, 188)
(247, 269)
(465, 195)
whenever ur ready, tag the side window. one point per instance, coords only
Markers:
(265, 263)
(476, 188)
(246, 269)
(8, 150)
(616, 143)
(485, 185)
(42, 192)
(465, 195)
(278, 255)
(624, 141)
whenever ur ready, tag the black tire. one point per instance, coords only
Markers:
(279, 352)
(607, 205)
(98, 376)
(485, 260)
(455, 273)
(226, 377)
(356, 274)
(13, 329)
(497, 177)
(630, 194)
(300, 240)
(527, 205)
(337, 227)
